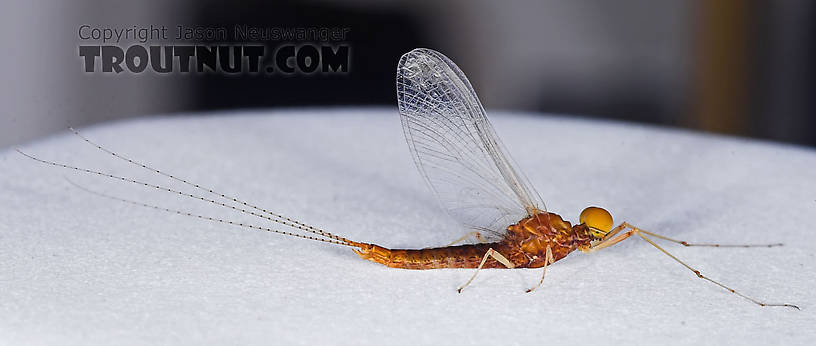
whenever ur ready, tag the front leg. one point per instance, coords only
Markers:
(614, 238)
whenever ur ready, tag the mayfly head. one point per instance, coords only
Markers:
(598, 220)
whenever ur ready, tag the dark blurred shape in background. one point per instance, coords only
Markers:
(736, 67)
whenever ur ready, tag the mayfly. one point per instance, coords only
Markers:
(475, 180)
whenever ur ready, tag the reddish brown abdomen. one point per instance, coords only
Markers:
(462, 256)
(525, 246)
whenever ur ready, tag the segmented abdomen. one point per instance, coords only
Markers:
(462, 256)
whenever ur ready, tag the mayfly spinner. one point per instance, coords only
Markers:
(465, 164)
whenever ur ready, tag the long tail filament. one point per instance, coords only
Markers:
(269, 215)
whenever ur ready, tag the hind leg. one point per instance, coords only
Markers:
(490, 253)
(474, 234)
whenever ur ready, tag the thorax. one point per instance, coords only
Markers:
(529, 238)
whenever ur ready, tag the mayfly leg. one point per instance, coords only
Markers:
(685, 243)
(474, 234)
(614, 237)
(490, 253)
(625, 225)
(548, 259)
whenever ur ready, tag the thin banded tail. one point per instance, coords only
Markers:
(264, 213)
(204, 217)
(286, 221)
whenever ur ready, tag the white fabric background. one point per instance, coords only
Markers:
(80, 269)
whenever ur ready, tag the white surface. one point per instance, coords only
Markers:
(79, 269)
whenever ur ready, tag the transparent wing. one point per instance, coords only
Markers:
(455, 147)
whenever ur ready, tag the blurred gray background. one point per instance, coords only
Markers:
(735, 67)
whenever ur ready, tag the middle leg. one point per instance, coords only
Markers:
(548, 259)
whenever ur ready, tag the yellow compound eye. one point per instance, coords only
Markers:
(595, 217)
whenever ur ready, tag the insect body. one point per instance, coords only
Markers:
(475, 180)
(524, 246)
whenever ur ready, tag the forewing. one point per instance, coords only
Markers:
(455, 147)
